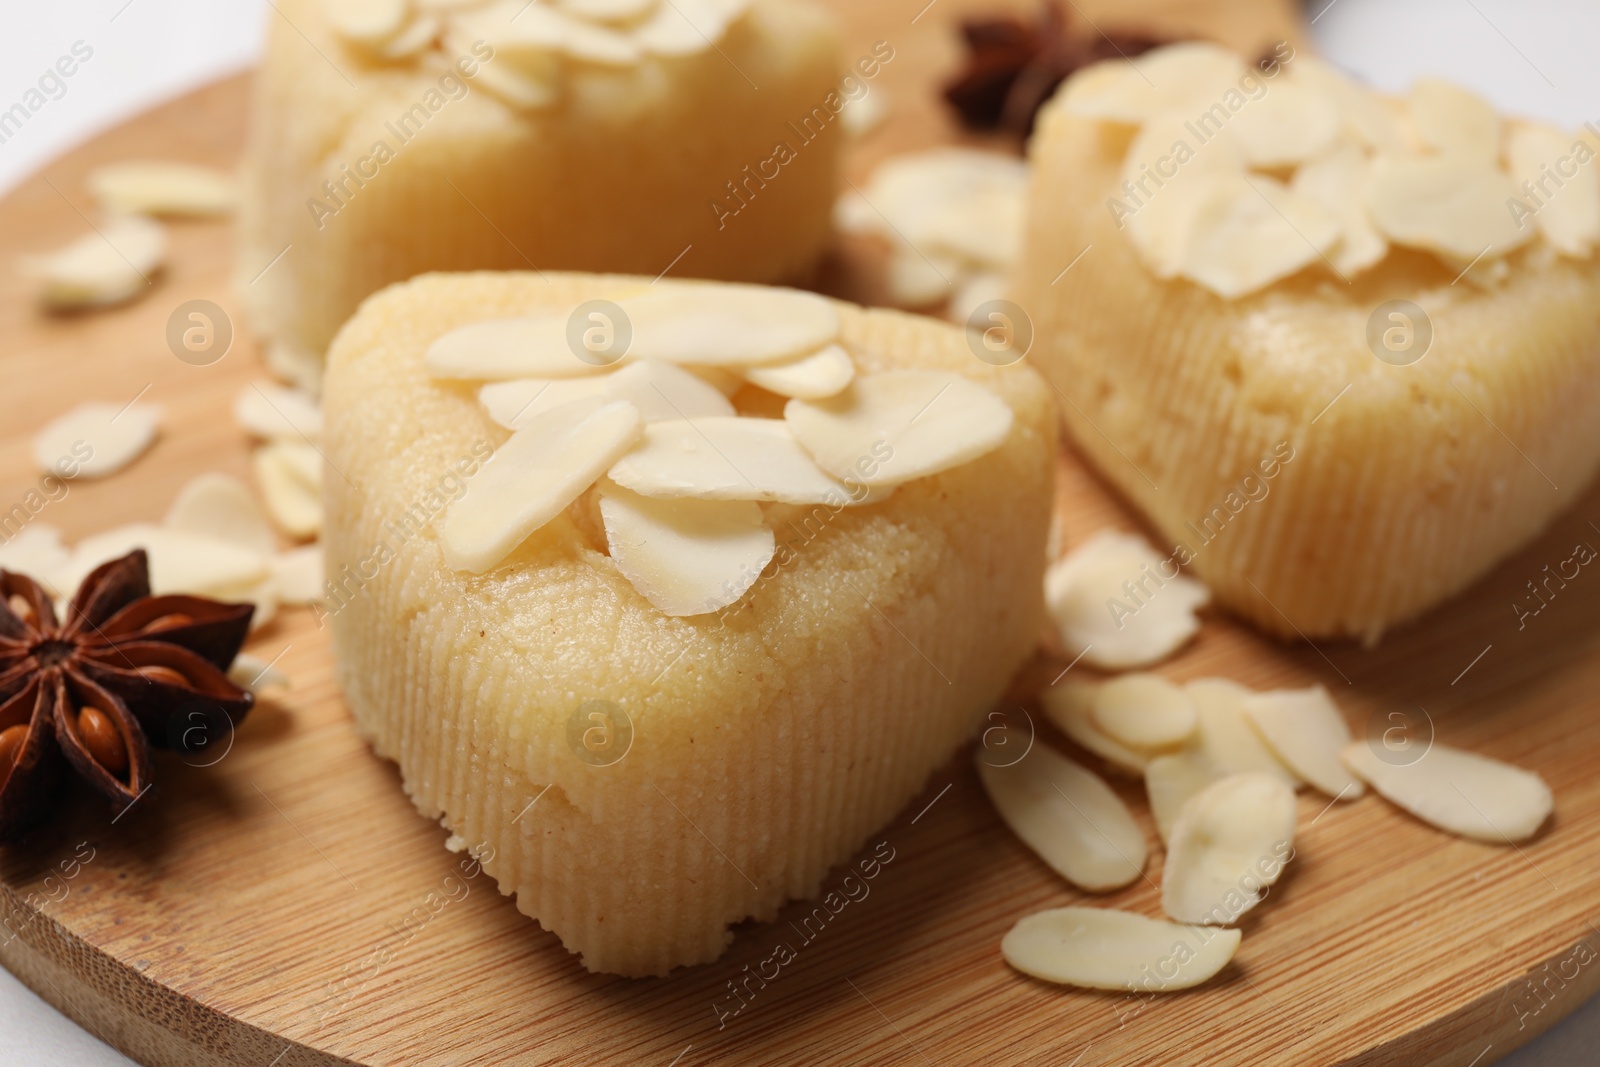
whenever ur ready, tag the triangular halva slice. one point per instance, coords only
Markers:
(640, 777)
(1342, 378)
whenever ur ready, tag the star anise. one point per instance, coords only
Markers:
(126, 671)
(1013, 67)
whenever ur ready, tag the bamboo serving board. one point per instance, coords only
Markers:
(288, 906)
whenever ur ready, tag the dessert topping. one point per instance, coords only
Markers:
(1144, 711)
(823, 373)
(727, 458)
(686, 557)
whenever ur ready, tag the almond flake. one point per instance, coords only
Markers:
(1230, 842)
(824, 373)
(1070, 707)
(219, 506)
(1114, 604)
(1248, 231)
(501, 349)
(298, 574)
(514, 404)
(1290, 124)
(608, 10)
(290, 476)
(1171, 780)
(973, 293)
(894, 427)
(180, 561)
(256, 675)
(1101, 948)
(681, 27)
(532, 478)
(1069, 817)
(531, 86)
(1225, 736)
(686, 557)
(367, 22)
(1458, 791)
(1304, 729)
(151, 188)
(728, 325)
(297, 366)
(36, 551)
(1454, 121)
(113, 435)
(1565, 208)
(107, 267)
(274, 412)
(951, 204)
(1366, 117)
(917, 280)
(418, 35)
(1132, 91)
(665, 392)
(1452, 205)
(1144, 711)
(1158, 220)
(728, 458)
(1338, 183)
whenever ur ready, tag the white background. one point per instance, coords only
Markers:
(1536, 57)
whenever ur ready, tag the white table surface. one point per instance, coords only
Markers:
(1534, 57)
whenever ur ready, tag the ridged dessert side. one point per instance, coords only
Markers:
(768, 744)
(1319, 490)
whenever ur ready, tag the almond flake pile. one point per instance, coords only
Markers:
(1237, 178)
(535, 44)
(1119, 603)
(1221, 765)
(954, 218)
(679, 476)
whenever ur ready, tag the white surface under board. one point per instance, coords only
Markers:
(1533, 57)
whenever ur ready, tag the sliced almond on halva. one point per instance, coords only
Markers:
(1564, 198)
(1189, 75)
(1070, 707)
(1455, 121)
(1231, 841)
(891, 428)
(1225, 736)
(418, 34)
(1304, 729)
(1102, 948)
(1067, 815)
(1113, 603)
(153, 188)
(686, 557)
(97, 439)
(665, 392)
(367, 22)
(1458, 791)
(1452, 205)
(532, 477)
(113, 264)
(823, 373)
(1248, 231)
(1144, 711)
(728, 325)
(220, 506)
(1171, 780)
(289, 474)
(727, 459)
(274, 412)
(1290, 124)
(501, 349)
(1338, 183)
(518, 402)
(1366, 117)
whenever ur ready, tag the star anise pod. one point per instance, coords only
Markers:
(1013, 66)
(126, 671)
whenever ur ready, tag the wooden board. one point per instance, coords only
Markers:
(274, 908)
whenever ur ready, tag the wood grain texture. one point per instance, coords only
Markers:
(288, 906)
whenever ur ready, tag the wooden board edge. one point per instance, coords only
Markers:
(140, 1018)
